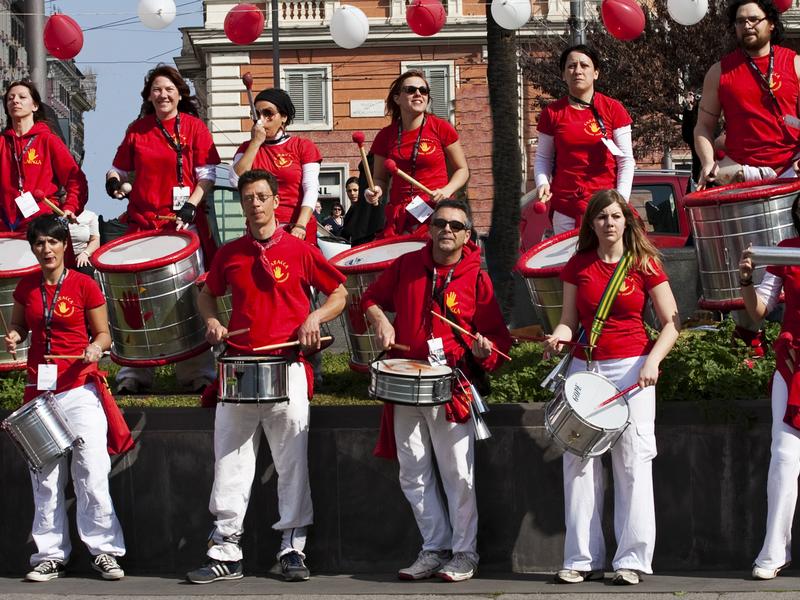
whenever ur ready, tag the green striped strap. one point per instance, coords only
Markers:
(609, 295)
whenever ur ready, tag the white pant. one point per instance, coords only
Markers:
(186, 371)
(632, 460)
(90, 465)
(422, 433)
(562, 223)
(784, 469)
(237, 436)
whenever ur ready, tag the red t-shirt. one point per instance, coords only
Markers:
(583, 163)
(791, 290)
(78, 295)
(431, 166)
(146, 151)
(623, 335)
(274, 303)
(47, 165)
(755, 132)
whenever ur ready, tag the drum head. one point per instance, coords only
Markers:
(376, 256)
(16, 258)
(145, 250)
(585, 390)
(411, 368)
(548, 258)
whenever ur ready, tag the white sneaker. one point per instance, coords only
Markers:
(574, 576)
(460, 568)
(626, 577)
(765, 574)
(427, 565)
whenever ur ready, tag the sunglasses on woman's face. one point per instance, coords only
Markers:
(412, 89)
(267, 113)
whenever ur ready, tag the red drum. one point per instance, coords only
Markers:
(362, 265)
(16, 261)
(541, 267)
(727, 219)
(148, 279)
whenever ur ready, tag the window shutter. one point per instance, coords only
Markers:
(440, 91)
(307, 89)
(294, 87)
(315, 97)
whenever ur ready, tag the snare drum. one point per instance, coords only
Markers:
(16, 261)
(148, 279)
(725, 220)
(41, 431)
(362, 265)
(541, 267)
(574, 421)
(253, 379)
(410, 382)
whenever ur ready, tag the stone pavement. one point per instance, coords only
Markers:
(494, 586)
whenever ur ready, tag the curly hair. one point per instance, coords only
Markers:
(770, 10)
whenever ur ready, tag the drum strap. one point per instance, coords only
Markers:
(607, 300)
(48, 311)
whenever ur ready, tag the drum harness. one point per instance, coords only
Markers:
(606, 300)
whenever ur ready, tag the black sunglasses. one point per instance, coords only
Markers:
(411, 89)
(455, 226)
(267, 113)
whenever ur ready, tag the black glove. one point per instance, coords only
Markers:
(187, 212)
(112, 185)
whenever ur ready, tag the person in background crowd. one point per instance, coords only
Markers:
(364, 219)
(422, 145)
(584, 142)
(85, 235)
(335, 223)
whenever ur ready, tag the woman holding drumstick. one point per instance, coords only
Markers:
(613, 247)
(584, 142)
(54, 306)
(423, 146)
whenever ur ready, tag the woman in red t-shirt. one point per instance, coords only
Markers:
(34, 163)
(169, 156)
(624, 354)
(294, 161)
(55, 306)
(584, 142)
(423, 146)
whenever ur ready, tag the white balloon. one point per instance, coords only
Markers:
(156, 14)
(687, 12)
(511, 14)
(349, 26)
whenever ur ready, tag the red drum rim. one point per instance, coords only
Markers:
(726, 305)
(336, 261)
(740, 192)
(162, 261)
(526, 271)
(12, 366)
(358, 367)
(159, 361)
(17, 272)
(201, 279)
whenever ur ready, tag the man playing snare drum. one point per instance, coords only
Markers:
(444, 277)
(268, 273)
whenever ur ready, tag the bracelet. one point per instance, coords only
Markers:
(303, 227)
(745, 282)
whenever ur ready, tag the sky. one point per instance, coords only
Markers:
(120, 55)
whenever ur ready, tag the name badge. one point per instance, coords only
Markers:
(46, 378)
(791, 121)
(179, 196)
(419, 209)
(612, 147)
(436, 355)
(27, 204)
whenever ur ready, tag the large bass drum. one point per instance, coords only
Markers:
(148, 279)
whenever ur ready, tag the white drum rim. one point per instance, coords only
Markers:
(340, 259)
(528, 271)
(618, 409)
(192, 246)
(23, 270)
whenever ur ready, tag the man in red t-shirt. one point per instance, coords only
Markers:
(444, 277)
(756, 87)
(269, 273)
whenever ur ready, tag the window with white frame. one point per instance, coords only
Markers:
(442, 84)
(310, 91)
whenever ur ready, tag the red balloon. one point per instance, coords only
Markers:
(623, 19)
(783, 5)
(425, 17)
(244, 23)
(63, 37)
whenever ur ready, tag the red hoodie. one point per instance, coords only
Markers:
(47, 165)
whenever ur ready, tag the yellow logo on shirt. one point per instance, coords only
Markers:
(451, 300)
(775, 82)
(280, 271)
(64, 307)
(32, 157)
(282, 161)
(592, 127)
(627, 287)
(427, 147)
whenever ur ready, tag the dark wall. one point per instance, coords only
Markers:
(710, 483)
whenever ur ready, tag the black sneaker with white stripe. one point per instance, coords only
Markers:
(293, 567)
(107, 566)
(216, 570)
(47, 570)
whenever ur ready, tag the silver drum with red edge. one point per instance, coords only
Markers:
(148, 279)
(16, 261)
(727, 219)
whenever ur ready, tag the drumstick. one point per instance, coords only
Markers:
(39, 195)
(235, 332)
(392, 167)
(457, 327)
(63, 356)
(324, 338)
(167, 217)
(541, 338)
(358, 138)
(615, 396)
(401, 347)
(247, 80)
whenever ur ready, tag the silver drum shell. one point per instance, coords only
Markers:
(253, 379)
(411, 390)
